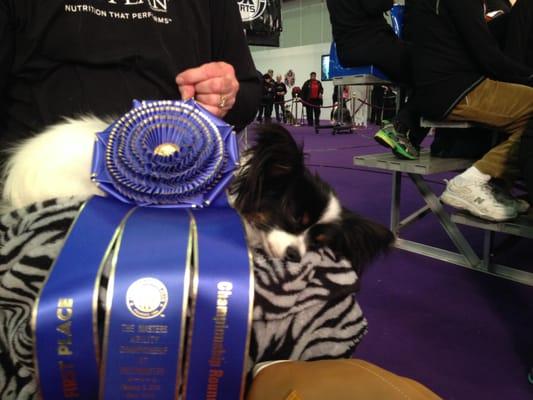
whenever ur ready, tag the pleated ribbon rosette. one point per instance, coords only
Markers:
(165, 154)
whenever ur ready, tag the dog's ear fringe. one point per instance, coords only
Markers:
(274, 155)
(365, 240)
(276, 151)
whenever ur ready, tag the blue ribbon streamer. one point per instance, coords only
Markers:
(145, 321)
(223, 306)
(63, 315)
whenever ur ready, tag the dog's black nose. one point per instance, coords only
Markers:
(292, 254)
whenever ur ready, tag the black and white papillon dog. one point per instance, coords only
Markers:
(287, 209)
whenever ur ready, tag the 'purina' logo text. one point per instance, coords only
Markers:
(251, 9)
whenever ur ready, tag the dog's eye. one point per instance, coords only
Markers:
(322, 238)
(258, 219)
(303, 219)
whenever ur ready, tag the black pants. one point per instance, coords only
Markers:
(313, 110)
(392, 56)
(279, 107)
(265, 109)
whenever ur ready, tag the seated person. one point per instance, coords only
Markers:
(462, 75)
(363, 37)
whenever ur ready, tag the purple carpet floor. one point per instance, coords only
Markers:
(464, 334)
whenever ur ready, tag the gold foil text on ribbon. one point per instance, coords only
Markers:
(224, 292)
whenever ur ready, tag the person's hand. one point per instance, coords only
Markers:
(213, 85)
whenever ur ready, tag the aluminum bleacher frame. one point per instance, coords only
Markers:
(465, 256)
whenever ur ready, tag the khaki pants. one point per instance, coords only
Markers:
(506, 106)
(335, 380)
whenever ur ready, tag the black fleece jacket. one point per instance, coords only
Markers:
(361, 19)
(453, 52)
(65, 58)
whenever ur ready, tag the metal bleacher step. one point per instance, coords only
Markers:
(425, 165)
(521, 226)
(428, 123)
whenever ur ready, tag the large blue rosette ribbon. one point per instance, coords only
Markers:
(165, 154)
(165, 264)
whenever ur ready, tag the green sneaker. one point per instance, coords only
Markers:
(398, 142)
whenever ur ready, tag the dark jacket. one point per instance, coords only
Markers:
(504, 5)
(362, 19)
(306, 91)
(280, 87)
(453, 52)
(60, 59)
(268, 90)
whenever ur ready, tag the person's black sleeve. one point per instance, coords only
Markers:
(526, 158)
(494, 5)
(7, 39)
(305, 91)
(229, 45)
(470, 21)
(376, 7)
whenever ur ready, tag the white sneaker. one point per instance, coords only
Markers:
(478, 198)
(503, 196)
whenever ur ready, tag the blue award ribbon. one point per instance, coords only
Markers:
(147, 300)
(165, 154)
(223, 299)
(63, 319)
(160, 155)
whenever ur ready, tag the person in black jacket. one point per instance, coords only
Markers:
(363, 37)
(63, 60)
(279, 99)
(267, 99)
(461, 74)
(312, 91)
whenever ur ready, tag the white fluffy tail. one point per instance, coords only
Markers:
(54, 163)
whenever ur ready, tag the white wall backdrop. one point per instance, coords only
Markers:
(305, 37)
(303, 60)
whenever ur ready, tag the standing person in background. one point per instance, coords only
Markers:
(279, 99)
(56, 61)
(267, 100)
(312, 91)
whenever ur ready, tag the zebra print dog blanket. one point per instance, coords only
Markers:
(302, 311)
